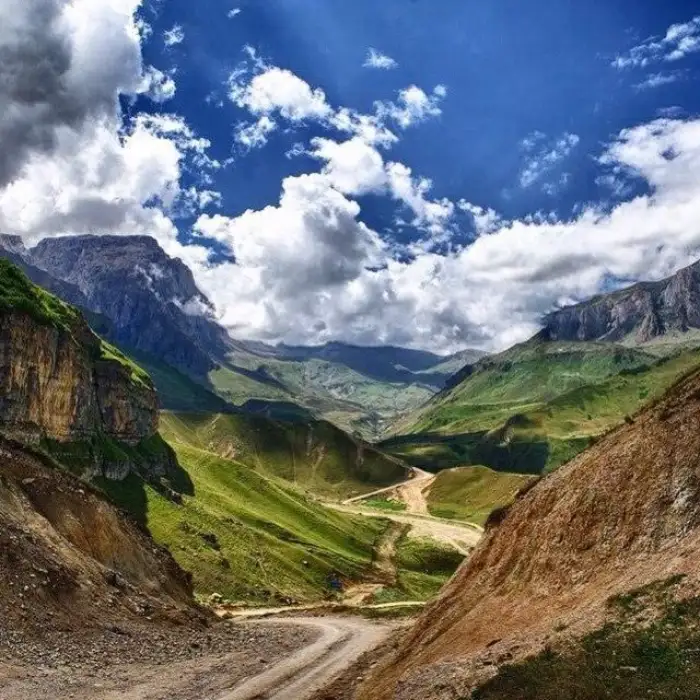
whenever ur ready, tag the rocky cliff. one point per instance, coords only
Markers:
(62, 385)
(150, 299)
(640, 313)
(622, 516)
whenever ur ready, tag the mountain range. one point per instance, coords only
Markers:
(148, 304)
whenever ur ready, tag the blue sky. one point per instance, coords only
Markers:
(430, 174)
(511, 69)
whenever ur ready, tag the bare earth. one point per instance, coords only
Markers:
(285, 659)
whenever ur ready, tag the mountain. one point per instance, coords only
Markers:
(538, 404)
(534, 406)
(645, 312)
(315, 456)
(386, 363)
(587, 586)
(71, 405)
(151, 300)
(149, 305)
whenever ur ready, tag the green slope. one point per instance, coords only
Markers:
(248, 537)
(472, 493)
(536, 406)
(316, 457)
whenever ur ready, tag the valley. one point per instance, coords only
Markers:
(273, 520)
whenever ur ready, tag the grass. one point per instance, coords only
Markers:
(248, 537)
(388, 504)
(472, 493)
(137, 374)
(316, 457)
(533, 408)
(649, 650)
(17, 293)
(424, 566)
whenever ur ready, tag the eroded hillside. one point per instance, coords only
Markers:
(623, 515)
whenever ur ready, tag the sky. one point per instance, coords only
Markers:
(437, 175)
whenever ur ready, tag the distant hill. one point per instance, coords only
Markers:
(314, 456)
(535, 406)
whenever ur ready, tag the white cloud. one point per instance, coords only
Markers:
(69, 162)
(277, 90)
(256, 134)
(234, 12)
(543, 156)
(491, 293)
(378, 60)
(413, 106)
(159, 86)
(174, 36)
(679, 41)
(656, 80)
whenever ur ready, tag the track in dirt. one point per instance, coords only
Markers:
(342, 641)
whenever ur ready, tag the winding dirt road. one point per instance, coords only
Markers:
(342, 641)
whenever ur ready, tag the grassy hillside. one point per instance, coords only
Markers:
(316, 457)
(472, 493)
(536, 406)
(248, 537)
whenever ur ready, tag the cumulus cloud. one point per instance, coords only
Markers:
(234, 12)
(413, 106)
(62, 66)
(679, 41)
(491, 293)
(378, 60)
(159, 86)
(70, 163)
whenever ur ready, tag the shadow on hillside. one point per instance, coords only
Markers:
(131, 494)
(434, 451)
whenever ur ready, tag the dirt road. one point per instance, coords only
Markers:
(342, 641)
(413, 488)
(462, 536)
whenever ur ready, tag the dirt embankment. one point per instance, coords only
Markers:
(622, 515)
(70, 562)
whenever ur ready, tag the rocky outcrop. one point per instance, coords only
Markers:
(150, 299)
(640, 313)
(60, 383)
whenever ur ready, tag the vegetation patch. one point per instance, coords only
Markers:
(18, 294)
(650, 649)
(536, 406)
(423, 567)
(250, 538)
(472, 493)
(390, 504)
(316, 457)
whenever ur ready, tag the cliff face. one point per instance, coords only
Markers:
(59, 382)
(622, 515)
(642, 312)
(150, 299)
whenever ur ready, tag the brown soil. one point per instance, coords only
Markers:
(70, 562)
(622, 515)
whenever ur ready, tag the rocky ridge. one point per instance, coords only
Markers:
(61, 384)
(638, 314)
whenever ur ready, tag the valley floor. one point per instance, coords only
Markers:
(286, 659)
